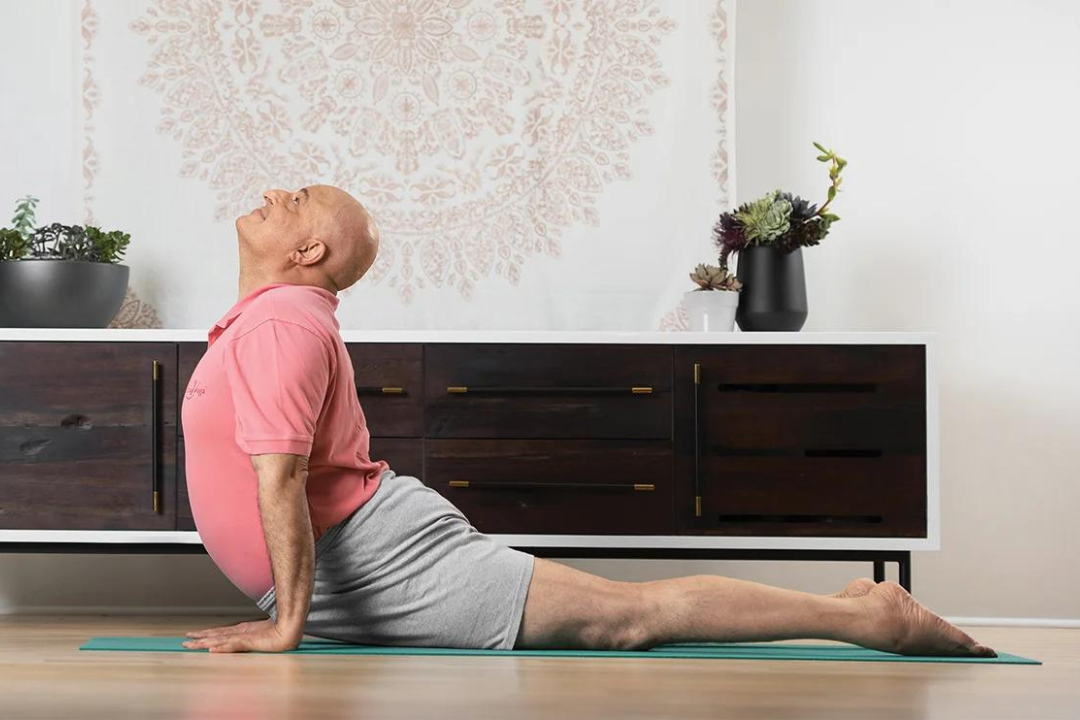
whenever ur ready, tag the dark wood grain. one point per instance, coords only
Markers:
(390, 365)
(797, 440)
(510, 489)
(75, 435)
(548, 391)
(802, 440)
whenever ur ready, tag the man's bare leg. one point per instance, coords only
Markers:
(570, 608)
(856, 588)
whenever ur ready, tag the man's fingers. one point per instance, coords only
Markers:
(226, 630)
(217, 637)
(212, 632)
(214, 644)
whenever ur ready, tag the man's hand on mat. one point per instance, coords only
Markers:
(253, 636)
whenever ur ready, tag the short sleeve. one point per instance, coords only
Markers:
(279, 375)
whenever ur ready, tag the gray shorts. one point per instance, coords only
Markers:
(407, 568)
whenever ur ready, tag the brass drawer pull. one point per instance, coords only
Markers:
(510, 390)
(495, 485)
(697, 440)
(377, 390)
(155, 408)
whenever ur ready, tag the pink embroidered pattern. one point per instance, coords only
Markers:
(477, 131)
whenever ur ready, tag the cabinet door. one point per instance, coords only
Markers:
(578, 487)
(81, 441)
(821, 440)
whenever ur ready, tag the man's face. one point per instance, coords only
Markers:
(317, 224)
(285, 219)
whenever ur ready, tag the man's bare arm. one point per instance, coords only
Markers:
(289, 538)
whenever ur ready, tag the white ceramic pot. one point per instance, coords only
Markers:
(711, 309)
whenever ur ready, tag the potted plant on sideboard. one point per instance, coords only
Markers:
(59, 275)
(712, 306)
(769, 234)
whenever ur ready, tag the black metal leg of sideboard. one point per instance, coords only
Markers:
(905, 570)
(879, 571)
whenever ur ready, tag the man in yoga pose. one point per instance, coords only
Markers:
(332, 544)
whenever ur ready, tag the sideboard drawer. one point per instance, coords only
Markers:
(390, 386)
(580, 487)
(548, 391)
(835, 496)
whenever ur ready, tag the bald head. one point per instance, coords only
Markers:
(318, 235)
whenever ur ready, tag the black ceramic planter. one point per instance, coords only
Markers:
(60, 293)
(773, 296)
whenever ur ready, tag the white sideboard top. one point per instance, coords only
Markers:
(618, 337)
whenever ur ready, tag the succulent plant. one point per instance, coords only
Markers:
(23, 221)
(801, 210)
(779, 220)
(766, 219)
(712, 277)
(729, 235)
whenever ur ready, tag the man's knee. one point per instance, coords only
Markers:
(623, 623)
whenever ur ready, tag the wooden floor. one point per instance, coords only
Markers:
(44, 675)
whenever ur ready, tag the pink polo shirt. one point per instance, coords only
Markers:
(276, 378)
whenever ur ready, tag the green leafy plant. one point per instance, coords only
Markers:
(57, 241)
(23, 220)
(12, 244)
(779, 219)
(107, 246)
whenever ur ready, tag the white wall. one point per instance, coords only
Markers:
(959, 120)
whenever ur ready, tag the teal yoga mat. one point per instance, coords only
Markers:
(725, 651)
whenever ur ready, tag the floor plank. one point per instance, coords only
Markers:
(44, 675)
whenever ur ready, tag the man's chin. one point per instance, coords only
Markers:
(251, 217)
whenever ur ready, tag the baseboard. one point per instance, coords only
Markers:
(1016, 622)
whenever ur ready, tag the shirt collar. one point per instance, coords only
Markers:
(242, 303)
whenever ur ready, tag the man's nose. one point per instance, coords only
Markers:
(273, 196)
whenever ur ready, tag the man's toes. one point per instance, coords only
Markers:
(940, 637)
(968, 645)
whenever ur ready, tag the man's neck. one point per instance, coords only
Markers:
(250, 283)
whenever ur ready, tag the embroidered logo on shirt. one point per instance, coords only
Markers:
(194, 390)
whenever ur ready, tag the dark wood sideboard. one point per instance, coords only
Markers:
(686, 445)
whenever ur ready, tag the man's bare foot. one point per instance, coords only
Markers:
(897, 623)
(856, 588)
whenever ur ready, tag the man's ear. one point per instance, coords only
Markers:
(310, 252)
